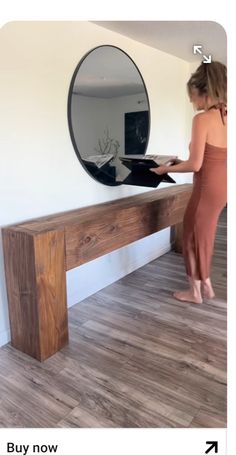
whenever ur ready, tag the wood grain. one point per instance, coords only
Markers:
(36, 288)
(38, 252)
(91, 239)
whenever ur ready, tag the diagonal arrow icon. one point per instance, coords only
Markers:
(207, 59)
(214, 445)
(197, 49)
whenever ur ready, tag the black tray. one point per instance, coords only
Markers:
(141, 175)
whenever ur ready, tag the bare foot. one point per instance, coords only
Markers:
(187, 296)
(207, 291)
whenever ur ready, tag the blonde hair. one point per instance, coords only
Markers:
(210, 79)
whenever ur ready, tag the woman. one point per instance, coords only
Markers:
(207, 89)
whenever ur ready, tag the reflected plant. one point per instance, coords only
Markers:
(107, 145)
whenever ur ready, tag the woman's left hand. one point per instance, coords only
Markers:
(159, 170)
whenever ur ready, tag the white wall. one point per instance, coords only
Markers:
(39, 171)
(89, 115)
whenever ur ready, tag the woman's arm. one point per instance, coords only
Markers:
(197, 147)
(177, 161)
(184, 166)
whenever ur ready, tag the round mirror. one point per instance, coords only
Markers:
(108, 113)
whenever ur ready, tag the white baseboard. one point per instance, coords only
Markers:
(5, 337)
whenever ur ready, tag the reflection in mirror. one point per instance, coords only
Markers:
(108, 113)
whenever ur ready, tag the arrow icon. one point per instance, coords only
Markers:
(214, 445)
(197, 49)
(207, 59)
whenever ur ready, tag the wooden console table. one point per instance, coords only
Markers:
(38, 253)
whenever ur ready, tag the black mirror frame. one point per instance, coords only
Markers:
(69, 108)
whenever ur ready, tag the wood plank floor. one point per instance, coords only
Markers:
(136, 358)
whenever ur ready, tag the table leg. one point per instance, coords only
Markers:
(177, 237)
(36, 288)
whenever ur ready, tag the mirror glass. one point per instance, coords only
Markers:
(108, 113)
